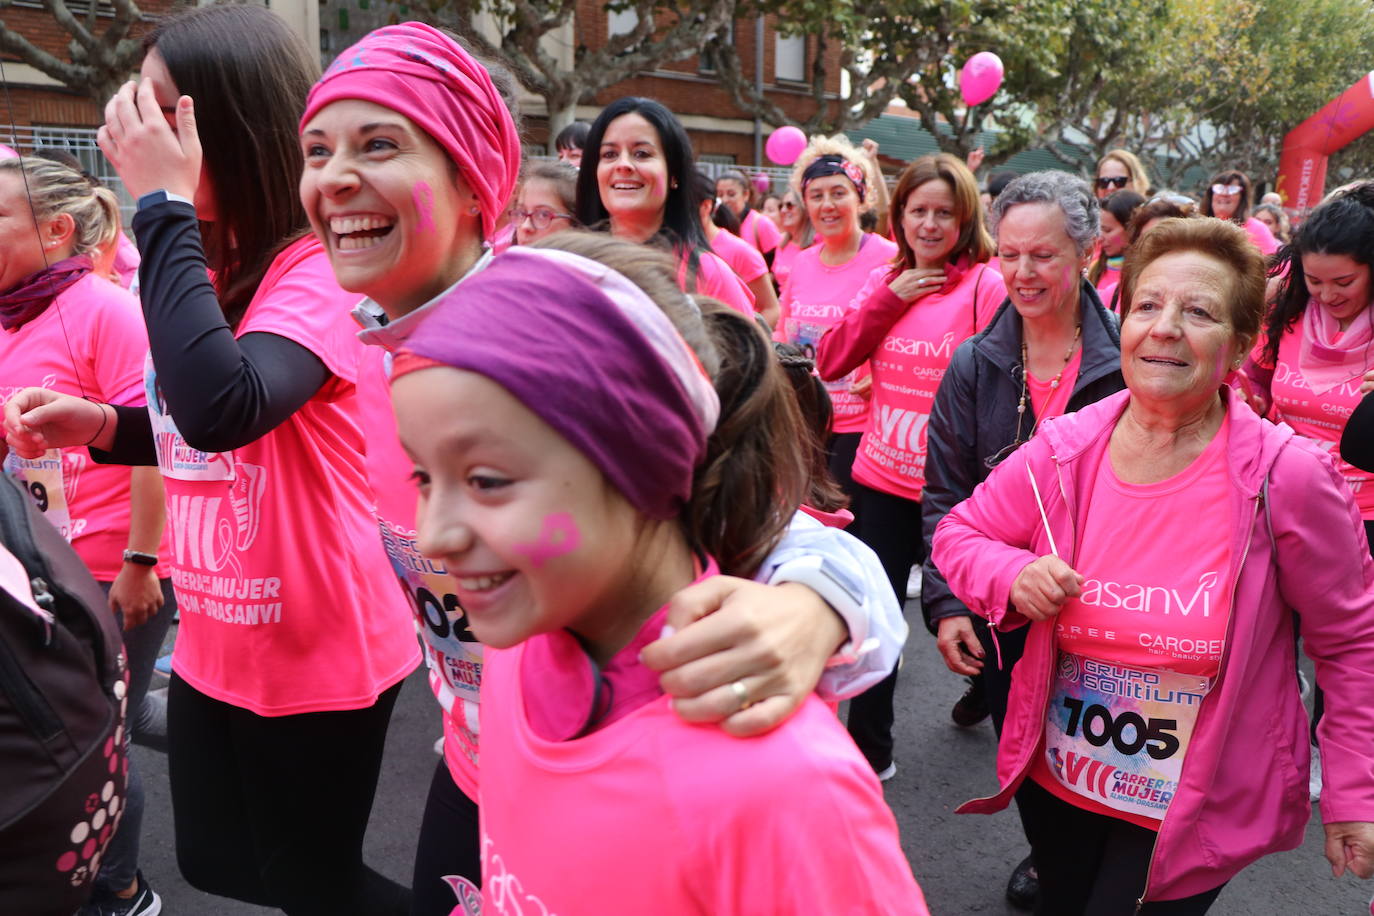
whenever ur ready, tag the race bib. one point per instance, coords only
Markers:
(1118, 735)
(806, 335)
(42, 480)
(175, 458)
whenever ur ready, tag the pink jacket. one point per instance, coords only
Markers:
(1297, 543)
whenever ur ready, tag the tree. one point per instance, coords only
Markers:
(662, 32)
(101, 58)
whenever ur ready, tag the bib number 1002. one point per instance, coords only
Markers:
(1099, 726)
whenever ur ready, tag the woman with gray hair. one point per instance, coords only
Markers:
(1050, 349)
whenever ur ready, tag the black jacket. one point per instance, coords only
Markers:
(974, 418)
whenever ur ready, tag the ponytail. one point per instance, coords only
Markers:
(755, 474)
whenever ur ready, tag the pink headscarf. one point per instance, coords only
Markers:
(420, 72)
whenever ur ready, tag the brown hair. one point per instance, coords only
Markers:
(974, 239)
(817, 414)
(1217, 239)
(562, 176)
(1162, 206)
(1242, 206)
(753, 477)
(248, 74)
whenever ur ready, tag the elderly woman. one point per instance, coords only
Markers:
(1158, 677)
(1121, 170)
(1228, 197)
(998, 387)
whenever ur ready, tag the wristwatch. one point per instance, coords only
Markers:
(141, 559)
(160, 196)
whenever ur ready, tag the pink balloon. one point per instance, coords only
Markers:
(762, 183)
(785, 144)
(981, 78)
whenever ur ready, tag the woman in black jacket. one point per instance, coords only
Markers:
(1051, 336)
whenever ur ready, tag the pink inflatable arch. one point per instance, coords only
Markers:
(1302, 164)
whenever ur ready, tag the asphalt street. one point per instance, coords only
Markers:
(961, 861)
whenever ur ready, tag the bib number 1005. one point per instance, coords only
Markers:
(1099, 726)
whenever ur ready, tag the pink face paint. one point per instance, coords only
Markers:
(558, 537)
(423, 195)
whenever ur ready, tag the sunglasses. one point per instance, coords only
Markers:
(540, 216)
(1118, 182)
(787, 205)
(1227, 189)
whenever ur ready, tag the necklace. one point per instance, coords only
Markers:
(1054, 383)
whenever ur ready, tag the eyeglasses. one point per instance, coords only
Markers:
(787, 205)
(1119, 181)
(540, 216)
(1227, 189)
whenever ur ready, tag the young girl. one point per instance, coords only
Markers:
(1105, 272)
(548, 197)
(565, 552)
(68, 328)
(636, 181)
(735, 192)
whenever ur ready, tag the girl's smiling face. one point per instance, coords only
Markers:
(397, 219)
(532, 533)
(1338, 283)
(631, 172)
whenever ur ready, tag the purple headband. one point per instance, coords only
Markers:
(425, 75)
(825, 166)
(593, 357)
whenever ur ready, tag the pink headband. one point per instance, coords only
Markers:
(423, 74)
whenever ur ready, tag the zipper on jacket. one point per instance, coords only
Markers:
(1221, 670)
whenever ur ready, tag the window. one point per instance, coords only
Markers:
(789, 59)
(708, 61)
(75, 7)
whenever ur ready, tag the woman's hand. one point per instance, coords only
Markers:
(862, 387)
(773, 641)
(959, 645)
(1350, 844)
(137, 593)
(145, 150)
(37, 419)
(1367, 385)
(1042, 587)
(911, 285)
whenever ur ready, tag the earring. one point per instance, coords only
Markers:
(674, 184)
(474, 211)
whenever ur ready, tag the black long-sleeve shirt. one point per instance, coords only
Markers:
(223, 392)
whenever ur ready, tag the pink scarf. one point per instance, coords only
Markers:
(1324, 364)
(31, 296)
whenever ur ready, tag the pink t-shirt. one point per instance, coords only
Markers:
(907, 369)
(1320, 416)
(759, 231)
(90, 342)
(653, 815)
(287, 601)
(714, 278)
(743, 258)
(1261, 235)
(453, 654)
(816, 296)
(1049, 401)
(783, 259)
(126, 261)
(1147, 633)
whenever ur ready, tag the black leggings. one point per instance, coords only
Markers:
(891, 527)
(450, 844)
(272, 809)
(1091, 864)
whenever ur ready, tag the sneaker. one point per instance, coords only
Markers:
(1024, 885)
(972, 707)
(144, 903)
(163, 665)
(913, 583)
(1314, 777)
(887, 772)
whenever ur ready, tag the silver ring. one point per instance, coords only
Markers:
(741, 693)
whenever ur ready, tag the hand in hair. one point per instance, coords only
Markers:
(144, 149)
(772, 640)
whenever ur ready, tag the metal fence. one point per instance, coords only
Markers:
(80, 142)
